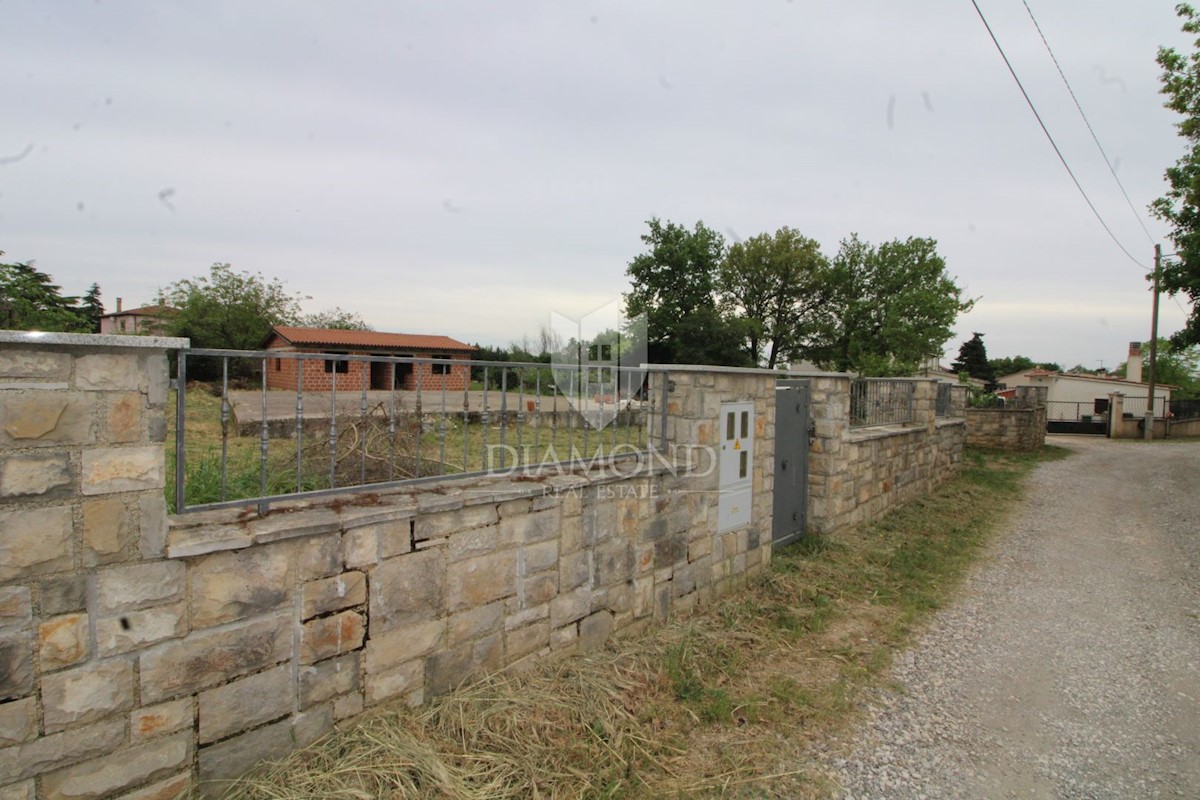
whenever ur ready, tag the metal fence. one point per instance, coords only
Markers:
(880, 401)
(1184, 410)
(241, 439)
(1067, 411)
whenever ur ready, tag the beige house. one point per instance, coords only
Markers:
(150, 320)
(1073, 396)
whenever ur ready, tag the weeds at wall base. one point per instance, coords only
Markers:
(730, 703)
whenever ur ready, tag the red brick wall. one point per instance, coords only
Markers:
(282, 374)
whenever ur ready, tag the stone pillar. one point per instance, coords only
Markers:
(1116, 414)
(82, 426)
(830, 495)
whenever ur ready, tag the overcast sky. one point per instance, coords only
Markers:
(468, 168)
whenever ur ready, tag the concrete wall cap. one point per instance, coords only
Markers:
(42, 338)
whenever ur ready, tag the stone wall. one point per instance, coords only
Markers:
(1020, 426)
(139, 654)
(856, 475)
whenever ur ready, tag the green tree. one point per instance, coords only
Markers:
(1180, 207)
(892, 305)
(776, 283)
(30, 300)
(91, 308)
(972, 360)
(674, 285)
(335, 318)
(1175, 365)
(229, 309)
(1011, 364)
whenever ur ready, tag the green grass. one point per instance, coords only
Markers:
(369, 452)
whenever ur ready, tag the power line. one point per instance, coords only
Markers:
(1053, 144)
(1088, 123)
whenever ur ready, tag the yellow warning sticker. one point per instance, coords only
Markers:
(737, 444)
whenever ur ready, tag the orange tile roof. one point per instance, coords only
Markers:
(334, 337)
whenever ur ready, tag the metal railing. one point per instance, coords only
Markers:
(1181, 410)
(942, 404)
(1071, 411)
(253, 434)
(880, 401)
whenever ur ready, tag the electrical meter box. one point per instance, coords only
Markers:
(735, 471)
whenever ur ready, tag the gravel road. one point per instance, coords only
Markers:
(1069, 665)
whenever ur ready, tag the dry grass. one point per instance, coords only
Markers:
(725, 704)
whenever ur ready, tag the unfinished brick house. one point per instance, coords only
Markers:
(319, 374)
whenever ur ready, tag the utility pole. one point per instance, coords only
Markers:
(1149, 432)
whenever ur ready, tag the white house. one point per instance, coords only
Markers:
(1071, 396)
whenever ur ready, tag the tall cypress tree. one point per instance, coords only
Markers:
(972, 360)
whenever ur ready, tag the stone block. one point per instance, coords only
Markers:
(475, 622)
(540, 556)
(406, 589)
(61, 749)
(311, 725)
(328, 679)
(38, 418)
(123, 469)
(16, 664)
(103, 530)
(16, 607)
(281, 525)
(594, 630)
(614, 563)
(599, 521)
(478, 581)
(139, 586)
(159, 719)
(360, 547)
(152, 525)
(103, 777)
(397, 647)
(326, 637)
(236, 756)
(529, 639)
(86, 694)
(538, 589)
(171, 788)
(134, 630)
(570, 607)
(18, 721)
(319, 557)
(474, 542)
(245, 703)
(18, 362)
(574, 570)
(395, 681)
(63, 593)
(63, 641)
(35, 541)
(346, 706)
(564, 637)
(210, 657)
(235, 585)
(107, 372)
(538, 526)
(334, 593)
(446, 669)
(25, 790)
(45, 475)
(124, 417)
(157, 379)
(443, 523)
(669, 550)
